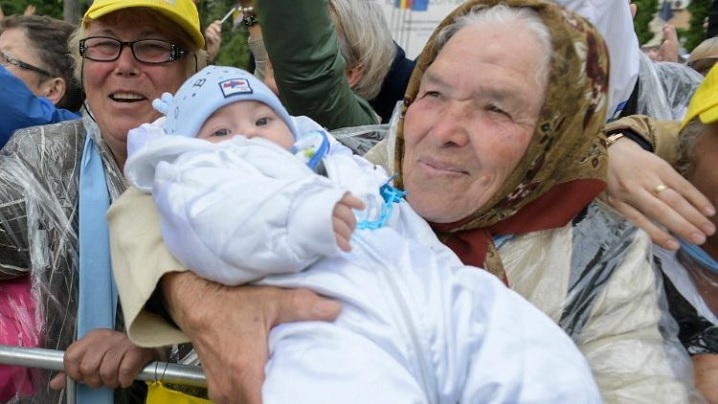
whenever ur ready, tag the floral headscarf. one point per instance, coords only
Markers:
(565, 165)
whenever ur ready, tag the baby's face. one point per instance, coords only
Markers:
(247, 118)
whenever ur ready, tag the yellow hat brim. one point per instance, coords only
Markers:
(704, 103)
(182, 12)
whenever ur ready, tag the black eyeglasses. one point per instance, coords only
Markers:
(151, 51)
(6, 59)
(703, 66)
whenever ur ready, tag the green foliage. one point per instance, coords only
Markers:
(52, 8)
(681, 32)
(696, 33)
(644, 15)
(234, 50)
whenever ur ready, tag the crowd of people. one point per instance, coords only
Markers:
(536, 224)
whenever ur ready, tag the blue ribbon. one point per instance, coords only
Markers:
(98, 293)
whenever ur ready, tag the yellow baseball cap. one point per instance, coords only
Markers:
(704, 103)
(182, 12)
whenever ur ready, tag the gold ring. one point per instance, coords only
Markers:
(657, 190)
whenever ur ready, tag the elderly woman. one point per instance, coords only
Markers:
(506, 165)
(516, 195)
(58, 180)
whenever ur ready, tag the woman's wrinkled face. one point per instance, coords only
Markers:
(472, 120)
(120, 92)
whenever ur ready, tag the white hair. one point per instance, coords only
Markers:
(365, 41)
(503, 15)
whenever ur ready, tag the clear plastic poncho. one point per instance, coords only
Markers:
(665, 89)
(39, 172)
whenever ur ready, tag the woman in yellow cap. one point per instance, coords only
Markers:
(691, 273)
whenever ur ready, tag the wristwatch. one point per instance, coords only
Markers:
(249, 17)
(613, 138)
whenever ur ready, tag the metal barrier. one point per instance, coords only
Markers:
(50, 359)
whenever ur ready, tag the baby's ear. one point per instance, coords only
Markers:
(163, 103)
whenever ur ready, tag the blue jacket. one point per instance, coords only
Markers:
(21, 108)
(394, 86)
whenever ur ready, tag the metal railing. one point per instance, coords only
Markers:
(50, 359)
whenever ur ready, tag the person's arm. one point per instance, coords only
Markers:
(227, 326)
(634, 175)
(309, 70)
(657, 136)
(670, 47)
(29, 10)
(256, 46)
(104, 358)
(213, 38)
(21, 108)
(255, 42)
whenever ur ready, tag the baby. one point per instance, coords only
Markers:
(279, 202)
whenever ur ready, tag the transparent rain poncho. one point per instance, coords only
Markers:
(39, 171)
(665, 89)
(39, 241)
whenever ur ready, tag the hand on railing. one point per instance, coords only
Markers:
(104, 358)
(50, 359)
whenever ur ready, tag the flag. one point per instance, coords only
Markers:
(666, 12)
(402, 4)
(420, 5)
(413, 5)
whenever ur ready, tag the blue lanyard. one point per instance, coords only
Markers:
(699, 256)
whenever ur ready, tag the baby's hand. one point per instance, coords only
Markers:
(344, 221)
